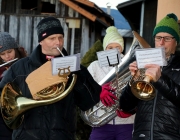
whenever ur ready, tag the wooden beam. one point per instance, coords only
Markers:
(85, 2)
(79, 9)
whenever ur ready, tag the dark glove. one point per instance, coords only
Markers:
(106, 96)
(122, 114)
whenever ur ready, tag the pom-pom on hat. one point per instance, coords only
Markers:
(169, 25)
(48, 26)
(112, 36)
(7, 42)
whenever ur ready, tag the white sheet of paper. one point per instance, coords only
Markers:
(64, 62)
(150, 56)
(112, 54)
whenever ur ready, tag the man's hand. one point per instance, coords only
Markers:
(154, 71)
(133, 68)
(106, 96)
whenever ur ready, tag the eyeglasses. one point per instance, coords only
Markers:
(166, 38)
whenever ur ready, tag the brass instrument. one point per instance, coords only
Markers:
(14, 105)
(141, 86)
(123, 75)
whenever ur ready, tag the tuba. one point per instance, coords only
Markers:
(118, 80)
(14, 105)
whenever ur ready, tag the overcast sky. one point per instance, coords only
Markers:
(112, 3)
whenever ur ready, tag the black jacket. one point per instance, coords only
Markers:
(157, 119)
(58, 120)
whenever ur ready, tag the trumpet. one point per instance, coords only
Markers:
(141, 86)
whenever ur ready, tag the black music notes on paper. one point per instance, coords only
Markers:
(150, 56)
(72, 61)
(109, 57)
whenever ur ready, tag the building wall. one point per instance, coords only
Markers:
(21, 24)
(149, 21)
(167, 6)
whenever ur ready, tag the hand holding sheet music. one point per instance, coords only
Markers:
(150, 56)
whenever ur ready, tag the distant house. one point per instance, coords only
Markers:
(82, 20)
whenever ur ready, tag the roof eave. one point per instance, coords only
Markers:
(86, 13)
(127, 3)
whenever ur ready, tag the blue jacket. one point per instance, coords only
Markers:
(58, 120)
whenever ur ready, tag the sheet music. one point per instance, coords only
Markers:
(150, 56)
(72, 61)
(113, 55)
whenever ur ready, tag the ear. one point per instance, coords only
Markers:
(40, 43)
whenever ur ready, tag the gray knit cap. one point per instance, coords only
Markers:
(7, 42)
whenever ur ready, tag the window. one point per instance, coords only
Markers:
(47, 7)
(36, 7)
(29, 4)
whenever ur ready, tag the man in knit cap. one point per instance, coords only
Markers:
(159, 118)
(120, 127)
(56, 121)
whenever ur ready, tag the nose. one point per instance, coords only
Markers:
(7, 55)
(58, 41)
(162, 41)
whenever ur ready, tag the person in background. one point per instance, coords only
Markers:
(91, 55)
(56, 121)
(158, 118)
(9, 51)
(120, 128)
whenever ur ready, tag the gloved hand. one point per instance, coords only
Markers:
(106, 96)
(108, 87)
(122, 114)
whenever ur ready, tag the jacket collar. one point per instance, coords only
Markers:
(38, 58)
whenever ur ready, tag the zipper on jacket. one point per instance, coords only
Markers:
(175, 69)
(152, 122)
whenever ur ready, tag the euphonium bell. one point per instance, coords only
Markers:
(141, 86)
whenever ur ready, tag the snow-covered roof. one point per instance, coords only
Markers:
(119, 20)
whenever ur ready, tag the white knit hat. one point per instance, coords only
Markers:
(112, 36)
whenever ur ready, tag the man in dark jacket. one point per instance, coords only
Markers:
(159, 118)
(56, 121)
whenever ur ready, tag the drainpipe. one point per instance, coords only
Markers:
(142, 19)
(103, 32)
(108, 8)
